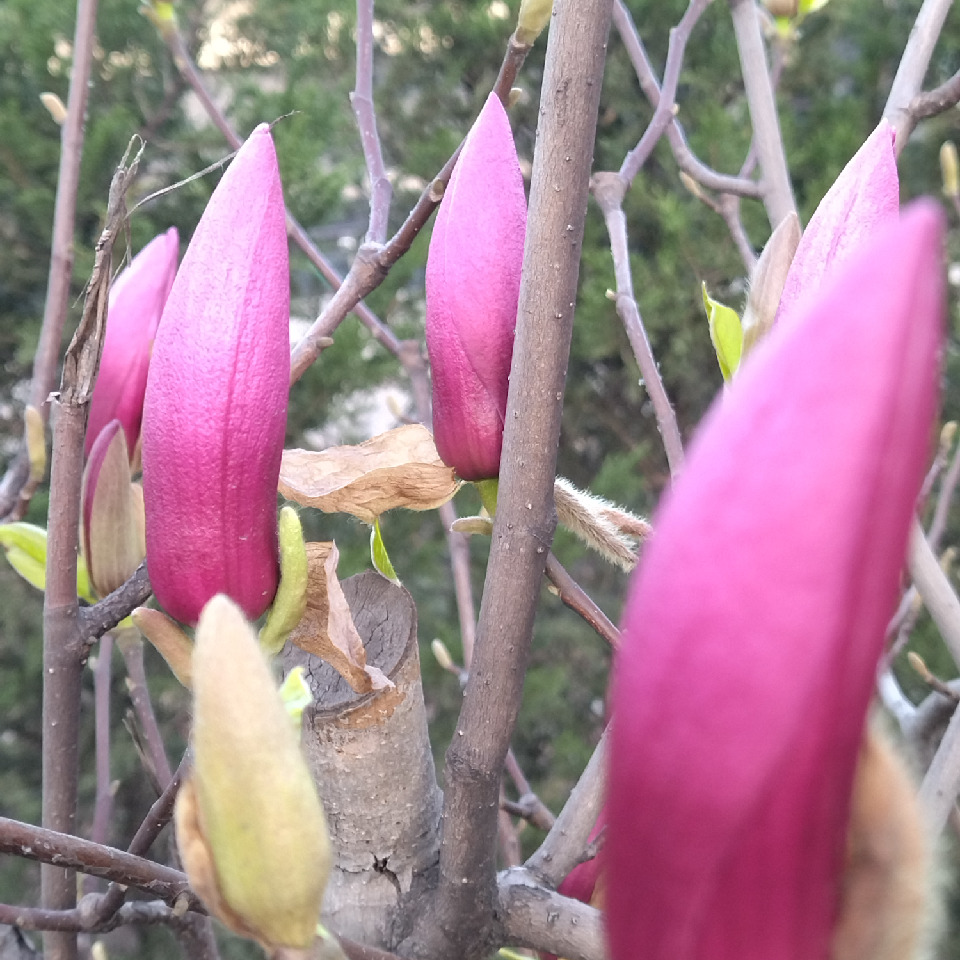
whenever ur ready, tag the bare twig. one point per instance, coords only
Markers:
(62, 648)
(663, 114)
(934, 587)
(96, 860)
(534, 916)
(577, 599)
(936, 101)
(913, 68)
(686, 160)
(362, 102)
(108, 612)
(938, 792)
(61, 256)
(103, 801)
(561, 850)
(459, 920)
(948, 487)
(778, 192)
(534, 809)
(609, 190)
(131, 648)
(77, 920)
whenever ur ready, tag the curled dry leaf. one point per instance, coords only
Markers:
(399, 468)
(327, 629)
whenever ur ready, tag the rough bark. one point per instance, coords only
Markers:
(370, 755)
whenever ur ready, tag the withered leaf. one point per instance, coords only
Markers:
(327, 629)
(399, 468)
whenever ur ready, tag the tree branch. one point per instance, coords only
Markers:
(609, 190)
(60, 275)
(687, 161)
(536, 917)
(578, 600)
(363, 109)
(96, 860)
(913, 68)
(459, 921)
(935, 589)
(663, 114)
(778, 192)
(560, 852)
(95, 621)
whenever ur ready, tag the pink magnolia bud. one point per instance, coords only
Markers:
(216, 404)
(137, 297)
(473, 284)
(863, 199)
(754, 626)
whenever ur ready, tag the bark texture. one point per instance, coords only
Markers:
(371, 758)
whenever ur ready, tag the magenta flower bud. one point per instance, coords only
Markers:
(863, 200)
(216, 404)
(754, 626)
(137, 297)
(473, 285)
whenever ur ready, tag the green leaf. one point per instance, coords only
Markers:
(726, 332)
(379, 555)
(295, 694)
(290, 601)
(25, 545)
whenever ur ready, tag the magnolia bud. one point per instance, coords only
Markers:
(250, 827)
(473, 285)
(216, 404)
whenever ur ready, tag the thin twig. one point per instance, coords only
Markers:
(61, 255)
(64, 850)
(374, 261)
(63, 650)
(778, 192)
(941, 512)
(108, 612)
(534, 809)
(908, 82)
(686, 160)
(131, 647)
(363, 109)
(103, 801)
(78, 921)
(934, 587)
(158, 816)
(560, 851)
(609, 190)
(663, 113)
(577, 599)
(936, 101)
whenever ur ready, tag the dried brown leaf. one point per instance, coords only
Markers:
(327, 629)
(399, 468)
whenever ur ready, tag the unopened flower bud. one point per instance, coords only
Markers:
(473, 286)
(216, 404)
(250, 827)
(137, 298)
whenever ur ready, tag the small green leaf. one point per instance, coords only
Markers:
(810, 6)
(26, 549)
(290, 601)
(726, 333)
(488, 490)
(295, 694)
(379, 555)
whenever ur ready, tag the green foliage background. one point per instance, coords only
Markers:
(435, 64)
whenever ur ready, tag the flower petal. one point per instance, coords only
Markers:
(754, 626)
